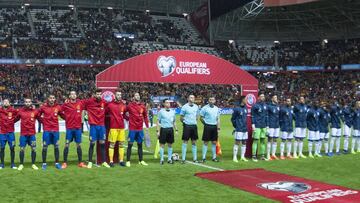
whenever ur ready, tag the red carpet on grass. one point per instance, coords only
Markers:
(283, 187)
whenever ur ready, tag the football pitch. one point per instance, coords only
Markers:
(158, 183)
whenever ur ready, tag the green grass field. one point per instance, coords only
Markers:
(156, 183)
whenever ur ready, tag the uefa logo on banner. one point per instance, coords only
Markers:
(286, 186)
(166, 65)
(250, 100)
(108, 96)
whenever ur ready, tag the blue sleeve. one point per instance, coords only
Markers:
(182, 111)
(267, 116)
(342, 116)
(202, 111)
(253, 109)
(292, 112)
(308, 114)
(332, 110)
(159, 116)
(281, 114)
(233, 117)
(295, 109)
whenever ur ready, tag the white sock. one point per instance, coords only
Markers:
(353, 143)
(346, 143)
(310, 147)
(319, 142)
(301, 145)
(358, 144)
(268, 148)
(274, 146)
(326, 145)
(337, 144)
(288, 147)
(332, 141)
(282, 148)
(295, 146)
(243, 150)
(235, 151)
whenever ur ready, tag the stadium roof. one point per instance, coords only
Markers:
(326, 19)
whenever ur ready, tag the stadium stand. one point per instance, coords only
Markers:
(90, 34)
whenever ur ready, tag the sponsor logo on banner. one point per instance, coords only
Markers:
(250, 100)
(294, 187)
(226, 111)
(169, 65)
(321, 195)
(108, 96)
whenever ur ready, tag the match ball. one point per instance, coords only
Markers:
(175, 157)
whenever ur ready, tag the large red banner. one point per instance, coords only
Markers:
(269, 3)
(176, 66)
(282, 187)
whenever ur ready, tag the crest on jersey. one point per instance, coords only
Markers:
(78, 107)
(9, 114)
(32, 115)
(285, 186)
(107, 96)
(56, 110)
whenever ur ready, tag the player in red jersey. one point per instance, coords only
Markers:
(27, 115)
(72, 111)
(137, 116)
(50, 112)
(7, 135)
(95, 106)
(116, 111)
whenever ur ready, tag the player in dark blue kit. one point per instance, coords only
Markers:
(238, 120)
(300, 111)
(324, 120)
(286, 127)
(347, 118)
(259, 116)
(356, 126)
(335, 121)
(313, 126)
(274, 127)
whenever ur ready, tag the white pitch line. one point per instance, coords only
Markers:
(190, 162)
(205, 166)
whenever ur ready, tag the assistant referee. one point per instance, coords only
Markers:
(210, 117)
(166, 123)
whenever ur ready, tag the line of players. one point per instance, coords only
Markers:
(267, 120)
(71, 111)
(273, 121)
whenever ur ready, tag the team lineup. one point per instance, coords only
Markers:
(269, 120)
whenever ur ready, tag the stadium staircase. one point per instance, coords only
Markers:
(31, 23)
